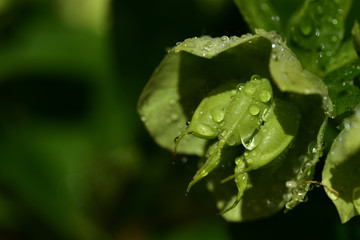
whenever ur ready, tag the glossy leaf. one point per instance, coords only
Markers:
(198, 65)
(344, 56)
(195, 68)
(356, 37)
(343, 86)
(342, 169)
(259, 14)
(316, 31)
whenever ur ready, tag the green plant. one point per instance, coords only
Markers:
(271, 129)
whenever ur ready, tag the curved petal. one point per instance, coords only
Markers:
(197, 66)
(342, 169)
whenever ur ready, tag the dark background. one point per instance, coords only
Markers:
(76, 161)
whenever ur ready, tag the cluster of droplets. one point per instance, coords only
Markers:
(263, 96)
(266, 8)
(303, 170)
(320, 26)
(207, 46)
(347, 81)
(278, 43)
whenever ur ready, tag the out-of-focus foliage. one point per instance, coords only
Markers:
(75, 161)
(64, 145)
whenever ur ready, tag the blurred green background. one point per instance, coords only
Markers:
(76, 161)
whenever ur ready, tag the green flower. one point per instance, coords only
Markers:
(249, 106)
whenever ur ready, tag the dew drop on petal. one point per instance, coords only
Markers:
(291, 184)
(264, 96)
(254, 110)
(306, 26)
(240, 86)
(225, 38)
(255, 77)
(249, 89)
(232, 140)
(218, 115)
(333, 196)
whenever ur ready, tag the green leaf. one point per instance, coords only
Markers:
(299, 186)
(343, 87)
(316, 31)
(197, 66)
(259, 14)
(282, 182)
(355, 32)
(286, 10)
(342, 169)
(345, 55)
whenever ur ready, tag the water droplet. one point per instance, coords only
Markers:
(225, 38)
(306, 26)
(204, 130)
(254, 110)
(218, 114)
(234, 38)
(304, 199)
(143, 119)
(275, 18)
(273, 45)
(176, 139)
(255, 77)
(189, 43)
(206, 48)
(188, 123)
(240, 86)
(274, 57)
(333, 196)
(264, 96)
(291, 184)
(223, 134)
(312, 147)
(249, 89)
(232, 140)
(249, 160)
